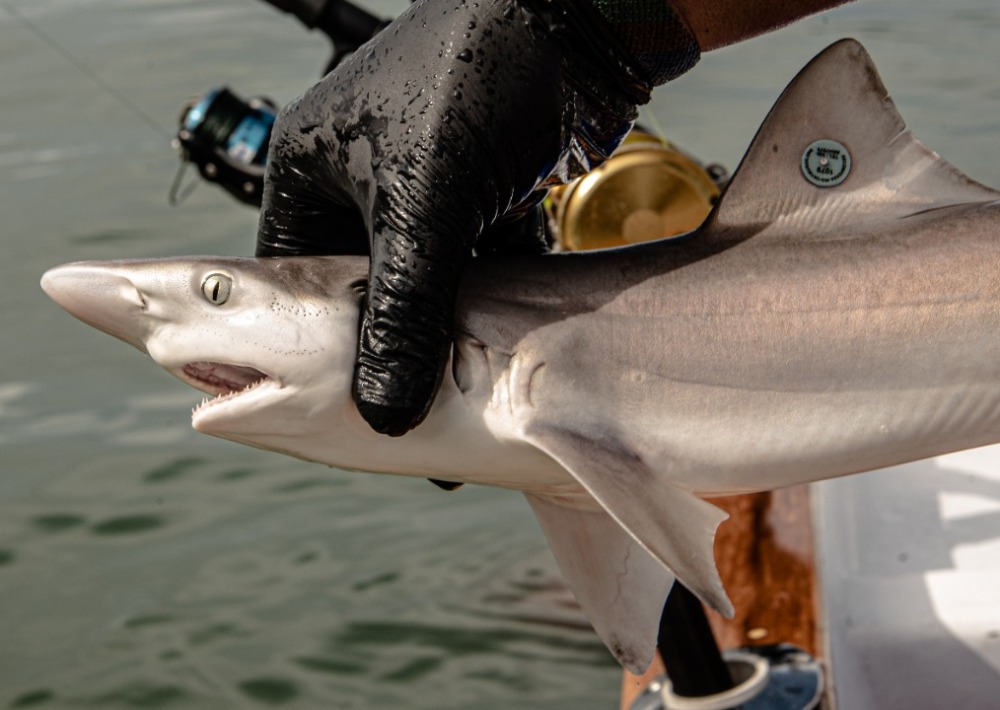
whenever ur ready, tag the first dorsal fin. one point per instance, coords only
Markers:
(795, 180)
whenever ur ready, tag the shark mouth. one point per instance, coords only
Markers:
(223, 381)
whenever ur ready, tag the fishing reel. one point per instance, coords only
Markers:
(648, 189)
(226, 139)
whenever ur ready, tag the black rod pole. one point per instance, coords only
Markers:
(688, 648)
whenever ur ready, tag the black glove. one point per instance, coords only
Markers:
(440, 134)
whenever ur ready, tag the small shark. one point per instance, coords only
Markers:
(838, 312)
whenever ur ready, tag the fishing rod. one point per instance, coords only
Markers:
(85, 70)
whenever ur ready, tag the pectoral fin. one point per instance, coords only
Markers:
(619, 585)
(672, 524)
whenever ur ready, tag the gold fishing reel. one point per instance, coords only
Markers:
(648, 189)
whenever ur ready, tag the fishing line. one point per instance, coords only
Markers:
(648, 120)
(81, 67)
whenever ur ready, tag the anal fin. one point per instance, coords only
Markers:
(673, 525)
(620, 587)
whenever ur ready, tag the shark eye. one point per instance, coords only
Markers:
(216, 288)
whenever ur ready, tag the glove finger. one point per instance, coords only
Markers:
(316, 231)
(301, 211)
(406, 328)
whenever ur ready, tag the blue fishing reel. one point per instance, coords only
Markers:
(226, 139)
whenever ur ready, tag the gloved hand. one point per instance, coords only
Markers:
(440, 135)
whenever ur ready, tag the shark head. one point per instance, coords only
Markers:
(271, 343)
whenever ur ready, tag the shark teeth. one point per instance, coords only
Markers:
(222, 380)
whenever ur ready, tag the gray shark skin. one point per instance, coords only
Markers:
(801, 333)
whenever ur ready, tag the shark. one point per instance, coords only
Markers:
(837, 312)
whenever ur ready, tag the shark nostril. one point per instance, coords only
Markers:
(132, 294)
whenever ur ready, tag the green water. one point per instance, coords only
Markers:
(142, 565)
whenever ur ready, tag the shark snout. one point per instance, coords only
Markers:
(101, 297)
